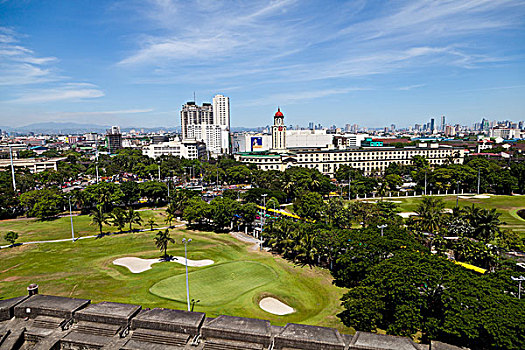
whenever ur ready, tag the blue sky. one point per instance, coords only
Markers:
(373, 63)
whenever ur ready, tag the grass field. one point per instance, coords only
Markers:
(506, 205)
(219, 284)
(234, 285)
(31, 229)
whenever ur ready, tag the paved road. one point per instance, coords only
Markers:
(86, 237)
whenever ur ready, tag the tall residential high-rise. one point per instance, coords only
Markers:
(432, 126)
(113, 139)
(311, 125)
(208, 123)
(443, 123)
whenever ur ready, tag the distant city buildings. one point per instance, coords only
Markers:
(371, 158)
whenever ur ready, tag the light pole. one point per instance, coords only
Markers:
(382, 227)
(71, 218)
(12, 167)
(262, 221)
(159, 170)
(186, 241)
(478, 179)
(519, 279)
(349, 183)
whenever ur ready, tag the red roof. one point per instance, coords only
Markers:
(279, 113)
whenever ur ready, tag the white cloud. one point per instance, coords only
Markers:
(20, 65)
(70, 91)
(299, 96)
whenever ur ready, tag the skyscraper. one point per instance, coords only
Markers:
(113, 139)
(443, 123)
(432, 125)
(208, 123)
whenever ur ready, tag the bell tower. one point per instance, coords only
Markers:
(278, 132)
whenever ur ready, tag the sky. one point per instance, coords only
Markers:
(371, 63)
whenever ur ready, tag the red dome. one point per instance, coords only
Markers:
(279, 113)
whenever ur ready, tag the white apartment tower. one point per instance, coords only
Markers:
(208, 123)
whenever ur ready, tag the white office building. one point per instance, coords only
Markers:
(189, 149)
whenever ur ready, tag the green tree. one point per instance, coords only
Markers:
(99, 218)
(222, 212)
(43, 203)
(11, 237)
(151, 222)
(162, 239)
(153, 190)
(430, 214)
(132, 217)
(485, 222)
(118, 218)
(131, 192)
(310, 205)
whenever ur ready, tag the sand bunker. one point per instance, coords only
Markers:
(275, 306)
(478, 196)
(138, 265)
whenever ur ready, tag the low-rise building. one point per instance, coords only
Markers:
(189, 149)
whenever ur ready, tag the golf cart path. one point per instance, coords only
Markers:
(86, 237)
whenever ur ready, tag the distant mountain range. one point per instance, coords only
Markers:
(76, 128)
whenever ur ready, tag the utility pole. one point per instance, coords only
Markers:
(519, 279)
(262, 220)
(186, 241)
(159, 170)
(425, 182)
(382, 227)
(71, 218)
(96, 156)
(12, 167)
(349, 182)
(479, 179)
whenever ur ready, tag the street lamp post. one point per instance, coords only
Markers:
(12, 167)
(71, 218)
(159, 170)
(382, 227)
(262, 220)
(186, 241)
(519, 279)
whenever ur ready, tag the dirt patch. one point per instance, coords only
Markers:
(10, 268)
(10, 279)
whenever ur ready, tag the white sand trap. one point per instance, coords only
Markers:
(466, 197)
(448, 210)
(138, 265)
(407, 214)
(482, 196)
(275, 306)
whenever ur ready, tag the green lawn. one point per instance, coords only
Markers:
(219, 284)
(84, 269)
(506, 205)
(31, 229)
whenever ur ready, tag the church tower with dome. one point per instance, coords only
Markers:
(278, 132)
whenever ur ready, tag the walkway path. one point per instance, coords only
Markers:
(86, 237)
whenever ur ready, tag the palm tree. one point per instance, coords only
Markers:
(151, 222)
(162, 239)
(99, 218)
(485, 222)
(132, 217)
(430, 214)
(118, 218)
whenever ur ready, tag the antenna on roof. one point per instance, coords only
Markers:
(194, 97)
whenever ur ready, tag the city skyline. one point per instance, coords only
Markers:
(135, 63)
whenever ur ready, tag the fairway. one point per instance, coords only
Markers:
(216, 285)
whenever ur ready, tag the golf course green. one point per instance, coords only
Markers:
(218, 284)
(239, 278)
